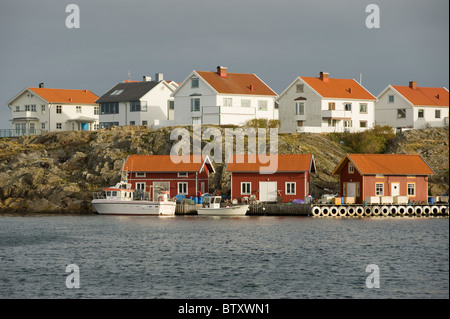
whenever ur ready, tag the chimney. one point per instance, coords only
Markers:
(437, 96)
(324, 76)
(222, 71)
(158, 77)
(413, 85)
(251, 87)
(146, 78)
(41, 85)
(349, 90)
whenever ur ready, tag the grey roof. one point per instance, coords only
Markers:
(132, 91)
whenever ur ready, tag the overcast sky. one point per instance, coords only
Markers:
(278, 40)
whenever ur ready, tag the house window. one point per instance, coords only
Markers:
(300, 123)
(108, 124)
(109, 108)
(331, 106)
(138, 106)
(246, 188)
(299, 88)
(411, 189)
(183, 174)
(33, 108)
(140, 185)
(17, 108)
(332, 122)
(227, 101)
(140, 174)
(196, 120)
(171, 105)
(132, 123)
(391, 99)
(43, 126)
(290, 188)
(401, 113)
(348, 106)
(96, 110)
(300, 108)
(116, 92)
(379, 189)
(362, 123)
(58, 109)
(182, 188)
(420, 113)
(145, 123)
(195, 105)
(194, 83)
(31, 128)
(78, 109)
(437, 114)
(363, 108)
(58, 126)
(27, 108)
(347, 123)
(351, 168)
(245, 103)
(262, 105)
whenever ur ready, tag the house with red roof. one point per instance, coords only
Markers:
(412, 107)
(377, 175)
(35, 110)
(221, 97)
(291, 181)
(324, 104)
(181, 175)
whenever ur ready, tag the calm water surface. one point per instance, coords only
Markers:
(206, 257)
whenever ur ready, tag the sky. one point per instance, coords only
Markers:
(277, 40)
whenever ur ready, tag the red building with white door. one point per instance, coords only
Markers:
(157, 173)
(377, 175)
(291, 180)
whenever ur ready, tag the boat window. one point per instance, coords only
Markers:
(114, 193)
(217, 200)
(108, 193)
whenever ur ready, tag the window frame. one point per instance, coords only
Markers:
(288, 188)
(246, 188)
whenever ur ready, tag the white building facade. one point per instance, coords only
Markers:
(37, 110)
(223, 98)
(324, 105)
(146, 103)
(412, 107)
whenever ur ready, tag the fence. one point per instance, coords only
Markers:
(20, 132)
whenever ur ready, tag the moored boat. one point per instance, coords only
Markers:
(212, 207)
(122, 200)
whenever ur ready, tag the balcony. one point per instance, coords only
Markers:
(337, 114)
(236, 110)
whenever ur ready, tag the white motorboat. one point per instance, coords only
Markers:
(212, 207)
(122, 200)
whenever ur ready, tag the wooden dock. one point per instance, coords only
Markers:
(279, 210)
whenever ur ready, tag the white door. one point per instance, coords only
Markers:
(351, 189)
(395, 189)
(268, 191)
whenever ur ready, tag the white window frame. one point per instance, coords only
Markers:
(263, 105)
(246, 188)
(376, 189)
(140, 174)
(389, 99)
(227, 101)
(59, 126)
(140, 185)
(288, 188)
(244, 103)
(195, 80)
(408, 188)
(78, 108)
(300, 108)
(184, 189)
(183, 174)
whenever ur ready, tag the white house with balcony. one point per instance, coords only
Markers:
(323, 104)
(223, 98)
(143, 102)
(412, 107)
(37, 110)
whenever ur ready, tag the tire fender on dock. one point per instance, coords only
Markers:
(410, 210)
(316, 211)
(376, 211)
(418, 210)
(385, 211)
(393, 210)
(435, 210)
(351, 211)
(367, 211)
(443, 210)
(333, 211)
(325, 211)
(342, 211)
(402, 210)
(359, 211)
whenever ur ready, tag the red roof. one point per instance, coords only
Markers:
(66, 96)
(236, 83)
(286, 163)
(424, 96)
(164, 163)
(339, 88)
(387, 164)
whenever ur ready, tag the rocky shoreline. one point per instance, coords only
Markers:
(56, 173)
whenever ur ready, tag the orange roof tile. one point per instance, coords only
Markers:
(286, 163)
(163, 163)
(66, 96)
(236, 83)
(387, 164)
(339, 88)
(424, 96)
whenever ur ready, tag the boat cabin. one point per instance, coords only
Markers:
(212, 201)
(121, 194)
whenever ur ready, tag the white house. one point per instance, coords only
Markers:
(138, 103)
(323, 104)
(36, 110)
(223, 98)
(412, 107)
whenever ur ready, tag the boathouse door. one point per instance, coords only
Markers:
(395, 189)
(268, 191)
(351, 189)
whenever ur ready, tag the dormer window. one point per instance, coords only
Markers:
(194, 83)
(351, 169)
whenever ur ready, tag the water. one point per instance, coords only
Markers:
(205, 257)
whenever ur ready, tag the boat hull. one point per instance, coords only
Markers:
(240, 210)
(138, 208)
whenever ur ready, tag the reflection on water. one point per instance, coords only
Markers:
(223, 257)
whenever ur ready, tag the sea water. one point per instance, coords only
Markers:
(191, 257)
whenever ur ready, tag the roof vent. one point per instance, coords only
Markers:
(146, 78)
(41, 85)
